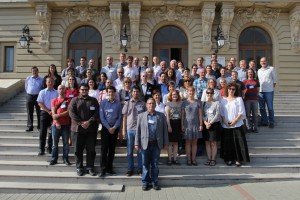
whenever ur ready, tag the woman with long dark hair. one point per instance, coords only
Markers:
(52, 72)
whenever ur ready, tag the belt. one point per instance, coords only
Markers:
(152, 142)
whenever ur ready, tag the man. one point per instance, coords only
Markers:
(163, 85)
(267, 79)
(71, 72)
(130, 71)
(33, 85)
(156, 67)
(130, 112)
(200, 64)
(144, 65)
(70, 64)
(44, 100)
(214, 57)
(136, 62)
(215, 71)
(235, 66)
(145, 87)
(242, 71)
(151, 137)
(118, 83)
(252, 65)
(61, 125)
(122, 62)
(163, 68)
(200, 84)
(111, 118)
(109, 69)
(241, 86)
(84, 114)
(95, 72)
(82, 67)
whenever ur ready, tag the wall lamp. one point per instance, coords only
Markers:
(26, 38)
(124, 38)
(220, 39)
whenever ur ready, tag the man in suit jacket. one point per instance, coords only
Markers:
(145, 87)
(151, 137)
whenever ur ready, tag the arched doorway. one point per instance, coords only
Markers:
(170, 42)
(85, 41)
(255, 43)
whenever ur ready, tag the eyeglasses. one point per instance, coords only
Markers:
(233, 89)
(209, 93)
(187, 81)
(121, 72)
(71, 79)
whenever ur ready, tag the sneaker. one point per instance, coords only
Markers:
(80, 172)
(145, 188)
(129, 173)
(67, 162)
(271, 125)
(53, 162)
(92, 172)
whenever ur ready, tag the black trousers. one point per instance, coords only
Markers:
(46, 121)
(108, 145)
(85, 140)
(30, 104)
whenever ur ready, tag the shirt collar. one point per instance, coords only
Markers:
(148, 113)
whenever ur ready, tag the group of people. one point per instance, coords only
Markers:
(153, 107)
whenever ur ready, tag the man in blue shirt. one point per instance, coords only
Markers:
(44, 100)
(111, 118)
(33, 85)
(200, 84)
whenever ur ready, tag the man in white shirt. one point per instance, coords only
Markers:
(242, 71)
(130, 71)
(267, 79)
(156, 66)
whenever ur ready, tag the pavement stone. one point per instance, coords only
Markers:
(287, 190)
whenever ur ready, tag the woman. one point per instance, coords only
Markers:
(125, 93)
(233, 144)
(72, 88)
(52, 72)
(102, 80)
(223, 87)
(183, 90)
(194, 74)
(88, 76)
(185, 74)
(212, 126)
(208, 72)
(212, 84)
(173, 116)
(223, 75)
(180, 66)
(93, 91)
(191, 123)
(251, 100)
(150, 77)
(171, 88)
(171, 75)
(160, 107)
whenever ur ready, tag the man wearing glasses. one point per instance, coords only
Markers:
(110, 70)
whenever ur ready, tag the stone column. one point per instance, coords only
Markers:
(134, 16)
(115, 17)
(43, 14)
(208, 15)
(227, 14)
(295, 28)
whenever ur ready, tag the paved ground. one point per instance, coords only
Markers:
(287, 190)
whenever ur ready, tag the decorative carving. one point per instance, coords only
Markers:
(43, 14)
(134, 15)
(295, 30)
(227, 14)
(258, 14)
(208, 15)
(172, 13)
(115, 18)
(84, 14)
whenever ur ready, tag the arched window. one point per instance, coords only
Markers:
(85, 41)
(169, 43)
(255, 43)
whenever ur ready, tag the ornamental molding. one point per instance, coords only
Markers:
(115, 18)
(172, 13)
(258, 14)
(227, 14)
(295, 31)
(84, 14)
(134, 16)
(43, 14)
(208, 15)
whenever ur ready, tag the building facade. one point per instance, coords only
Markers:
(170, 29)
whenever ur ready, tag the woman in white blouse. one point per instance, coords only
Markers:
(160, 107)
(212, 84)
(233, 143)
(93, 89)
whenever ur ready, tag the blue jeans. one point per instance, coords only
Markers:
(150, 157)
(266, 98)
(64, 132)
(130, 148)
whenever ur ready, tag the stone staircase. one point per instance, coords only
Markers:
(275, 155)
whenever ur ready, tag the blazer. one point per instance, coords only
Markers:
(142, 134)
(145, 97)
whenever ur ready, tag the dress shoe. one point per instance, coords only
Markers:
(67, 162)
(49, 150)
(156, 187)
(53, 162)
(140, 172)
(41, 153)
(29, 129)
(102, 174)
(229, 163)
(111, 172)
(129, 173)
(145, 187)
(80, 172)
(92, 172)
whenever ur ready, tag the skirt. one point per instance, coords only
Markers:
(175, 136)
(234, 145)
(213, 133)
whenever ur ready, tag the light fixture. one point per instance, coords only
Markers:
(124, 38)
(25, 39)
(220, 39)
